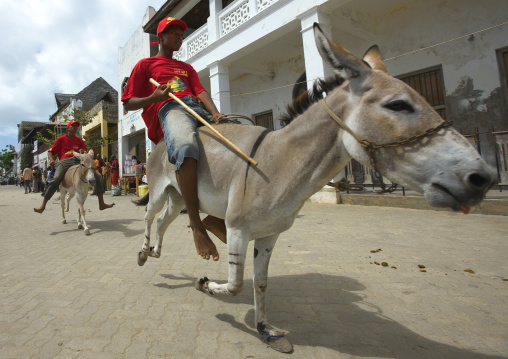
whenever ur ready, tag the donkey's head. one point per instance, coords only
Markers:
(87, 166)
(439, 163)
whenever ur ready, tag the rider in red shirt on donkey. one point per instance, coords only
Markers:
(64, 147)
(167, 119)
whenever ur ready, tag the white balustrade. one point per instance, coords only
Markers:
(197, 41)
(263, 4)
(180, 55)
(229, 18)
(234, 16)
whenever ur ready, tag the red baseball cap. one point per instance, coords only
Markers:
(73, 123)
(164, 23)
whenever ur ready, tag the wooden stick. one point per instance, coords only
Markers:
(192, 112)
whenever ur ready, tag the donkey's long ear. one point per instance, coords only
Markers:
(90, 152)
(76, 154)
(374, 59)
(339, 59)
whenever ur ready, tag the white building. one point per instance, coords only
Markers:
(251, 55)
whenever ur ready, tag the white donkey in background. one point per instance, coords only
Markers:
(367, 114)
(77, 181)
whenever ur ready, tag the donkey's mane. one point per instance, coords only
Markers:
(308, 98)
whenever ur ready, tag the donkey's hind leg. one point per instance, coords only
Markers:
(174, 206)
(155, 205)
(68, 197)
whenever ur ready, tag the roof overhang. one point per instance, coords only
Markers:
(151, 26)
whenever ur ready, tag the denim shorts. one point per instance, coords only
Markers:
(179, 128)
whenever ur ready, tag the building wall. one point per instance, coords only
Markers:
(136, 48)
(469, 63)
(266, 54)
(105, 112)
(271, 91)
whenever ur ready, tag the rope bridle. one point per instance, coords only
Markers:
(371, 147)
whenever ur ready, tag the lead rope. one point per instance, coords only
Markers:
(372, 147)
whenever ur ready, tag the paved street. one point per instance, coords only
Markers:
(67, 295)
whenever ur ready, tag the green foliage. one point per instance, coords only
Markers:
(26, 157)
(48, 137)
(6, 156)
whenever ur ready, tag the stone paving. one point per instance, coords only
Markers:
(67, 295)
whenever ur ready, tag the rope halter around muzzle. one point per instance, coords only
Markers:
(83, 173)
(371, 147)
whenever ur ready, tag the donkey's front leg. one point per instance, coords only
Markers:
(81, 213)
(62, 204)
(237, 249)
(263, 249)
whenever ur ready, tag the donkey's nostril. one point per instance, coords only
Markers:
(479, 181)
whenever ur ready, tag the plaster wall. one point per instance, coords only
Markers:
(470, 68)
(413, 35)
(269, 91)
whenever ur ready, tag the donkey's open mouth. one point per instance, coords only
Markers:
(441, 196)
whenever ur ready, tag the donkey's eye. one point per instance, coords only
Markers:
(399, 105)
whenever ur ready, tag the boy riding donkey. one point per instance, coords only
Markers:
(64, 147)
(167, 119)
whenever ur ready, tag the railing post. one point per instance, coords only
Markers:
(213, 21)
(253, 8)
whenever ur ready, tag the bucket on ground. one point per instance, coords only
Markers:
(142, 190)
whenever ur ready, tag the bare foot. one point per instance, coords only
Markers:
(216, 226)
(39, 210)
(204, 245)
(103, 206)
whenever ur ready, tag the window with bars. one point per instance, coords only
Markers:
(264, 119)
(429, 84)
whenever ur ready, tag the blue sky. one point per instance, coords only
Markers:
(58, 46)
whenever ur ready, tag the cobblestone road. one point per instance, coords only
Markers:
(67, 295)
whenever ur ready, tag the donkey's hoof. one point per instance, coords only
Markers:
(64, 221)
(80, 226)
(87, 232)
(278, 342)
(142, 259)
(202, 284)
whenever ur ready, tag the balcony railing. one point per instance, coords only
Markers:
(229, 19)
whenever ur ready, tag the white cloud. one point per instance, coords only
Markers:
(55, 46)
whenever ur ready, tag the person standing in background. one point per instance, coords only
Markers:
(106, 171)
(27, 176)
(115, 171)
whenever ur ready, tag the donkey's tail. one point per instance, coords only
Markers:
(143, 201)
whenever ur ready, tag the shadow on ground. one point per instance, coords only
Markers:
(113, 225)
(329, 316)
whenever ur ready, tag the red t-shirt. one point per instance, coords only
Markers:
(184, 81)
(65, 146)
